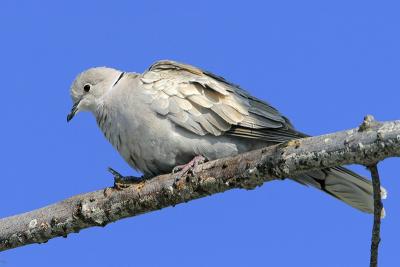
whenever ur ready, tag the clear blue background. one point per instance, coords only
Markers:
(325, 64)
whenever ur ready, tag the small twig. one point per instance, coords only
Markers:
(377, 215)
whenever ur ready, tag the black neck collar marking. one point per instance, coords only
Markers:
(119, 78)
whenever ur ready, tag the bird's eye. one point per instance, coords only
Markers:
(86, 88)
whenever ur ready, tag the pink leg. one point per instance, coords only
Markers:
(184, 169)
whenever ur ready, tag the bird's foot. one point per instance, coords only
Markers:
(182, 170)
(121, 181)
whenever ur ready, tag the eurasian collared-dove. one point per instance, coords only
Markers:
(174, 112)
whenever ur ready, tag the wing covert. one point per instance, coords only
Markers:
(204, 103)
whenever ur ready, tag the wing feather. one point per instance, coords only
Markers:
(204, 103)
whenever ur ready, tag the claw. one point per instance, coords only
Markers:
(177, 169)
(117, 175)
(190, 166)
(121, 181)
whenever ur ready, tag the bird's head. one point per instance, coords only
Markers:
(89, 88)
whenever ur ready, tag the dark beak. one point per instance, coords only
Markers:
(73, 111)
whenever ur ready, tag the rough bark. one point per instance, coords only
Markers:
(366, 145)
(376, 229)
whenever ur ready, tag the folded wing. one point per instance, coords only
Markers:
(204, 103)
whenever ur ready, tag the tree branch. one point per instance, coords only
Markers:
(363, 145)
(376, 235)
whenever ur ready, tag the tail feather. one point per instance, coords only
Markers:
(344, 185)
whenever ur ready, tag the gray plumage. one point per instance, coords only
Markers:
(173, 112)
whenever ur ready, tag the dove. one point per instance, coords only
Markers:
(176, 114)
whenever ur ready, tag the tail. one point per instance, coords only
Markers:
(344, 185)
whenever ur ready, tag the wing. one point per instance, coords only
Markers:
(204, 103)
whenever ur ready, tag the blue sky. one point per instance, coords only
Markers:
(324, 64)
